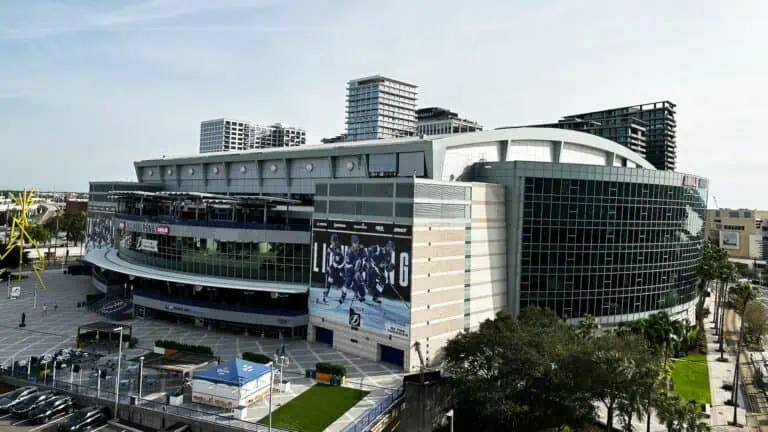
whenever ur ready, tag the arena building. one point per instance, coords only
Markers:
(375, 246)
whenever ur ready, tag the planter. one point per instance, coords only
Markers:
(323, 377)
(163, 351)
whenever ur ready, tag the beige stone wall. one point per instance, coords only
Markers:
(714, 224)
(488, 253)
(437, 286)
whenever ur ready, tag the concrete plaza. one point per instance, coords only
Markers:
(57, 329)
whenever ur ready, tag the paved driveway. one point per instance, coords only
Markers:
(58, 329)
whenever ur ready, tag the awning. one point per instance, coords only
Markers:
(236, 372)
(109, 260)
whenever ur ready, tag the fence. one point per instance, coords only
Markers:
(381, 407)
(106, 393)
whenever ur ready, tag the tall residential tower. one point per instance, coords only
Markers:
(647, 129)
(380, 107)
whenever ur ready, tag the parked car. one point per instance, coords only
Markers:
(23, 408)
(85, 419)
(53, 407)
(177, 427)
(8, 400)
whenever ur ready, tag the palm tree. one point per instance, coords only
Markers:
(706, 273)
(726, 276)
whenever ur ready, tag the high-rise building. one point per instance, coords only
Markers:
(647, 129)
(225, 134)
(380, 107)
(440, 121)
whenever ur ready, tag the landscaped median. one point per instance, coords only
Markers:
(690, 375)
(315, 409)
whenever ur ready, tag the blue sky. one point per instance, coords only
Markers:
(87, 87)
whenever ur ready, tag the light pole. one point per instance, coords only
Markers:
(271, 383)
(53, 382)
(117, 379)
(98, 384)
(449, 414)
(735, 398)
(141, 375)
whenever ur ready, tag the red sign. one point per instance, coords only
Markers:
(162, 229)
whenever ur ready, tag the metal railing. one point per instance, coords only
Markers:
(106, 393)
(382, 406)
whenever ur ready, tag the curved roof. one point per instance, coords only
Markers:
(541, 134)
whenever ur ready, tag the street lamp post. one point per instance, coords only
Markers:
(271, 382)
(449, 414)
(141, 375)
(98, 384)
(734, 396)
(117, 379)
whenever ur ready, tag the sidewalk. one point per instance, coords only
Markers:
(720, 373)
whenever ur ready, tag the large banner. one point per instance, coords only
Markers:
(729, 239)
(361, 275)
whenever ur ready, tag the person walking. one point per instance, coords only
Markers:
(45, 309)
(55, 307)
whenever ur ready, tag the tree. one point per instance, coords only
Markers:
(707, 273)
(73, 224)
(617, 365)
(588, 326)
(39, 234)
(741, 295)
(755, 322)
(518, 373)
(679, 415)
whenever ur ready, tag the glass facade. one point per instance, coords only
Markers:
(609, 247)
(263, 261)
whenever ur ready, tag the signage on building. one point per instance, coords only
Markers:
(147, 245)
(361, 275)
(145, 227)
(689, 180)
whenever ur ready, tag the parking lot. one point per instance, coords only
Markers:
(57, 329)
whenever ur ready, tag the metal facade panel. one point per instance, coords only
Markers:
(410, 164)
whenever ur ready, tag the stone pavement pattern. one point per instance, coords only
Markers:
(58, 329)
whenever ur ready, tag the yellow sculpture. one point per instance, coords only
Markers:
(19, 238)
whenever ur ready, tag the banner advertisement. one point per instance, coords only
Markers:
(729, 239)
(361, 275)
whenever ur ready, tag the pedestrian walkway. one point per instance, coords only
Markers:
(719, 374)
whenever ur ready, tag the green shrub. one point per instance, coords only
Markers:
(178, 346)
(256, 357)
(331, 368)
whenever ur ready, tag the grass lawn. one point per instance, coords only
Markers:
(691, 378)
(316, 408)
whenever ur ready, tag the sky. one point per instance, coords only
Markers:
(89, 86)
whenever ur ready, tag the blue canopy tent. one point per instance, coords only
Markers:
(234, 383)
